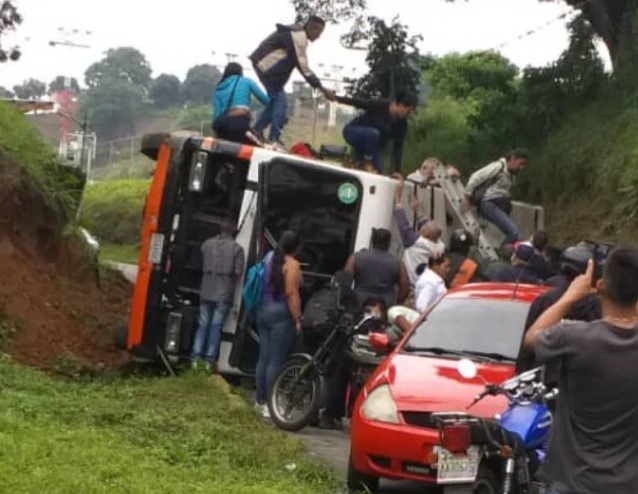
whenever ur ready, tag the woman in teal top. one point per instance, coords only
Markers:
(231, 103)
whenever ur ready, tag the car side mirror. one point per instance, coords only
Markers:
(380, 341)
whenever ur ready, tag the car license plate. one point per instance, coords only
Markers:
(458, 469)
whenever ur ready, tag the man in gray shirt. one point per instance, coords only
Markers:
(222, 265)
(593, 446)
(490, 189)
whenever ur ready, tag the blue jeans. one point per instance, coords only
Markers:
(494, 214)
(366, 143)
(212, 316)
(276, 340)
(274, 114)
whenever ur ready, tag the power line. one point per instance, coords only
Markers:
(536, 30)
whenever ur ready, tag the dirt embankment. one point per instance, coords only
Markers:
(49, 289)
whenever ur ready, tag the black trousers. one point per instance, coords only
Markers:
(234, 128)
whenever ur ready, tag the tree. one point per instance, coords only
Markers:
(333, 11)
(200, 83)
(123, 64)
(59, 83)
(112, 108)
(30, 89)
(165, 91)
(615, 21)
(10, 18)
(393, 59)
(5, 93)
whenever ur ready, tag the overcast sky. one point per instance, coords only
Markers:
(185, 33)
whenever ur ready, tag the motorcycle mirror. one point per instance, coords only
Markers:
(379, 341)
(467, 368)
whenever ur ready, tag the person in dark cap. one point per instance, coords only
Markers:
(520, 271)
(381, 121)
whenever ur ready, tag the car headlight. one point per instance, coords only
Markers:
(380, 406)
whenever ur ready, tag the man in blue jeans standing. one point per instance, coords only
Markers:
(490, 188)
(381, 120)
(274, 60)
(222, 265)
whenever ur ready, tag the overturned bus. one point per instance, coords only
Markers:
(200, 181)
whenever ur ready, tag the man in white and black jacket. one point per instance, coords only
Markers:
(274, 60)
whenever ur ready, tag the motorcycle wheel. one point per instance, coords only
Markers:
(293, 406)
(486, 483)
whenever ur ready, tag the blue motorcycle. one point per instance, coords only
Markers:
(510, 448)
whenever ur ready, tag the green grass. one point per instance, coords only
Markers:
(180, 435)
(19, 140)
(124, 253)
(112, 210)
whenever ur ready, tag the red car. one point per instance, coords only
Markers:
(393, 434)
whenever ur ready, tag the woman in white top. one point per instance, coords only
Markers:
(431, 283)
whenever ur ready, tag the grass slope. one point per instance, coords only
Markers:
(112, 210)
(21, 141)
(181, 435)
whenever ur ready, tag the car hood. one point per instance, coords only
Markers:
(424, 384)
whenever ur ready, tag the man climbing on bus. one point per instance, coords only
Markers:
(490, 190)
(274, 60)
(381, 121)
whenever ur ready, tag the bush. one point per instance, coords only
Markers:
(113, 210)
(19, 140)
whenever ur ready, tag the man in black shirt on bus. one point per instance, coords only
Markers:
(381, 120)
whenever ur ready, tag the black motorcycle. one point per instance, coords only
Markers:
(307, 381)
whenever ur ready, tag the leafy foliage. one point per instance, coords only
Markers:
(200, 83)
(118, 87)
(333, 11)
(59, 84)
(10, 18)
(122, 64)
(112, 210)
(165, 91)
(393, 60)
(5, 93)
(30, 89)
(112, 108)
(20, 141)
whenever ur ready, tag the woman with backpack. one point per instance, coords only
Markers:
(279, 315)
(231, 104)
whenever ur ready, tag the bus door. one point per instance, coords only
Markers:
(322, 204)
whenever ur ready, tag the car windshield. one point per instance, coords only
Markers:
(471, 327)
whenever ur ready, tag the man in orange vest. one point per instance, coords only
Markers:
(463, 270)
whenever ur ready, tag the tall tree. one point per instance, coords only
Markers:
(165, 90)
(123, 64)
(394, 62)
(5, 93)
(30, 89)
(200, 83)
(112, 108)
(59, 83)
(10, 18)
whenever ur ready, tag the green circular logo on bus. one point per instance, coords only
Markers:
(348, 193)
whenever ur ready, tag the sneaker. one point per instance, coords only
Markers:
(257, 135)
(265, 413)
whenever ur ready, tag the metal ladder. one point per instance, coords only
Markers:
(454, 193)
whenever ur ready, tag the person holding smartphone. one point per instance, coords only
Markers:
(593, 446)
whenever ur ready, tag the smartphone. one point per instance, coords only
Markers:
(600, 254)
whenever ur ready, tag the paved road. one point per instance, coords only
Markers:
(331, 447)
